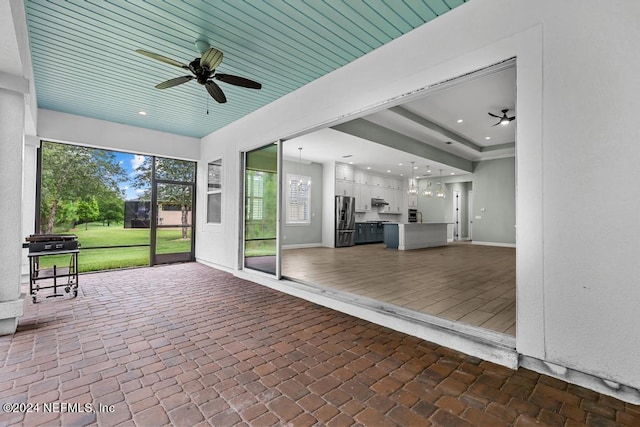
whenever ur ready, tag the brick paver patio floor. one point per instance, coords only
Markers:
(189, 345)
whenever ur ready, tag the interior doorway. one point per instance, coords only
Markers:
(470, 215)
(456, 215)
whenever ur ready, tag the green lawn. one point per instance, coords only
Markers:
(169, 241)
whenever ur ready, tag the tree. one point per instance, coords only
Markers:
(88, 211)
(175, 194)
(71, 173)
(111, 208)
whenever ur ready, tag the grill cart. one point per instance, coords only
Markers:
(43, 245)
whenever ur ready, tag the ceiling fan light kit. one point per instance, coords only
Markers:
(203, 70)
(504, 119)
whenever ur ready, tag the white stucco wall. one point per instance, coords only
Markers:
(577, 137)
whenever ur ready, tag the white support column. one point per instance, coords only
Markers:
(12, 120)
(29, 169)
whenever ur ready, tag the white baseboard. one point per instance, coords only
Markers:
(504, 245)
(302, 246)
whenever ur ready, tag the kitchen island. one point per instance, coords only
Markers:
(415, 235)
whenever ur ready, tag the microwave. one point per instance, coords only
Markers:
(413, 215)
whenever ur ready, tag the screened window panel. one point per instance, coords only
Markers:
(214, 208)
(214, 192)
(215, 175)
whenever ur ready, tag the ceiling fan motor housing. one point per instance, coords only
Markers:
(202, 73)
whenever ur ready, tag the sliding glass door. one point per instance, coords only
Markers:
(261, 213)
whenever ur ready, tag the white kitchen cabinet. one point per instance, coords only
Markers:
(377, 181)
(344, 188)
(413, 202)
(377, 192)
(398, 201)
(389, 197)
(344, 172)
(399, 185)
(362, 193)
(361, 177)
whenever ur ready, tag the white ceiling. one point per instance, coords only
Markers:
(431, 119)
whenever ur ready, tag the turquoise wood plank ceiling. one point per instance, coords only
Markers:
(85, 61)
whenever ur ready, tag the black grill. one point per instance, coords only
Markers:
(52, 242)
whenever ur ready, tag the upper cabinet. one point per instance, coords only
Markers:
(362, 193)
(377, 181)
(361, 177)
(344, 180)
(364, 186)
(344, 172)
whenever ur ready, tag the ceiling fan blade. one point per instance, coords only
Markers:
(162, 58)
(215, 91)
(174, 82)
(511, 118)
(238, 81)
(493, 115)
(496, 124)
(211, 57)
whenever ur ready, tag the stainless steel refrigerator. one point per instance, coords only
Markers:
(345, 221)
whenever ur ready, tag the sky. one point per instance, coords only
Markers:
(129, 163)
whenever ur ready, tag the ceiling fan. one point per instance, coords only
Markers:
(203, 70)
(504, 120)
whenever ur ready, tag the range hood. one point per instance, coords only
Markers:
(378, 202)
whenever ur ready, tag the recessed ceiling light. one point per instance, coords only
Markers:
(368, 167)
(350, 163)
(452, 173)
(487, 137)
(388, 171)
(401, 174)
(460, 120)
(415, 167)
(142, 113)
(399, 164)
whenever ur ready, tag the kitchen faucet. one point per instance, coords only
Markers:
(420, 216)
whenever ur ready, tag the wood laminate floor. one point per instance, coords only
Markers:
(469, 283)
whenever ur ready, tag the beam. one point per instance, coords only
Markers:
(384, 136)
(435, 127)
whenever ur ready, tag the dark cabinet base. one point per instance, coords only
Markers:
(367, 232)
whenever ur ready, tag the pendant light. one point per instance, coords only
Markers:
(442, 191)
(428, 189)
(297, 180)
(413, 188)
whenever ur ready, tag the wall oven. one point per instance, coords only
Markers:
(413, 215)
